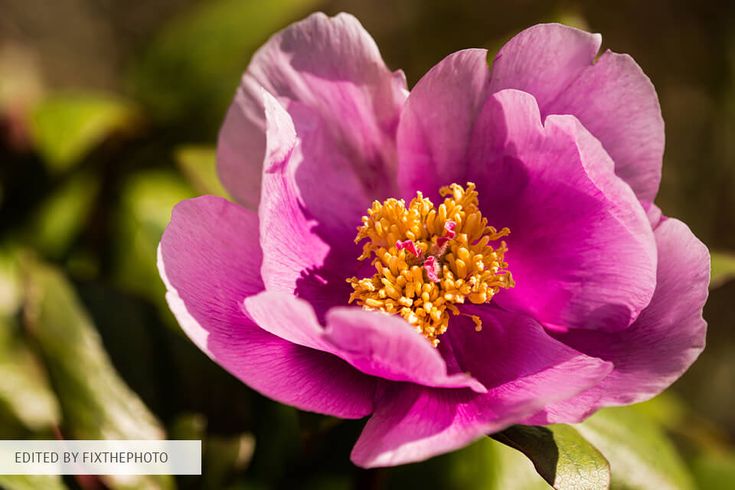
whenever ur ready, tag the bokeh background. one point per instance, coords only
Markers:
(109, 111)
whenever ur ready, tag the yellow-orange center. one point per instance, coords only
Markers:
(428, 260)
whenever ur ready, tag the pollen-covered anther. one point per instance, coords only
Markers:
(430, 259)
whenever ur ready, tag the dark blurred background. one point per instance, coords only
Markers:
(109, 111)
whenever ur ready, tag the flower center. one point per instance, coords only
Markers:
(427, 260)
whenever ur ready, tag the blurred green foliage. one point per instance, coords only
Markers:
(193, 64)
(26, 398)
(20, 482)
(61, 216)
(95, 402)
(96, 149)
(640, 454)
(197, 164)
(723, 268)
(145, 209)
(65, 127)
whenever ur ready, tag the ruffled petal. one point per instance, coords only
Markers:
(661, 345)
(544, 60)
(332, 67)
(437, 121)
(412, 424)
(301, 255)
(374, 343)
(581, 248)
(209, 258)
(612, 96)
(523, 368)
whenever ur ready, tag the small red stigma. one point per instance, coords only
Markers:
(449, 235)
(408, 245)
(431, 266)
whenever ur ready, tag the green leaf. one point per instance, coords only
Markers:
(560, 455)
(484, 465)
(723, 268)
(24, 390)
(489, 465)
(11, 290)
(95, 402)
(198, 164)
(715, 471)
(511, 469)
(25, 395)
(65, 127)
(194, 65)
(640, 454)
(62, 215)
(31, 482)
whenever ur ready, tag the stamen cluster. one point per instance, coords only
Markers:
(428, 260)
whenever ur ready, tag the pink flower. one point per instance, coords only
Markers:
(585, 297)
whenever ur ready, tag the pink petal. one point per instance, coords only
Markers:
(665, 340)
(581, 248)
(544, 60)
(332, 67)
(209, 259)
(374, 343)
(412, 424)
(654, 215)
(525, 367)
(612, 96)
(301, 257)
(437, 122)
(335, 191)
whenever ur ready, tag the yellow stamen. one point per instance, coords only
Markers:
(429, 259)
